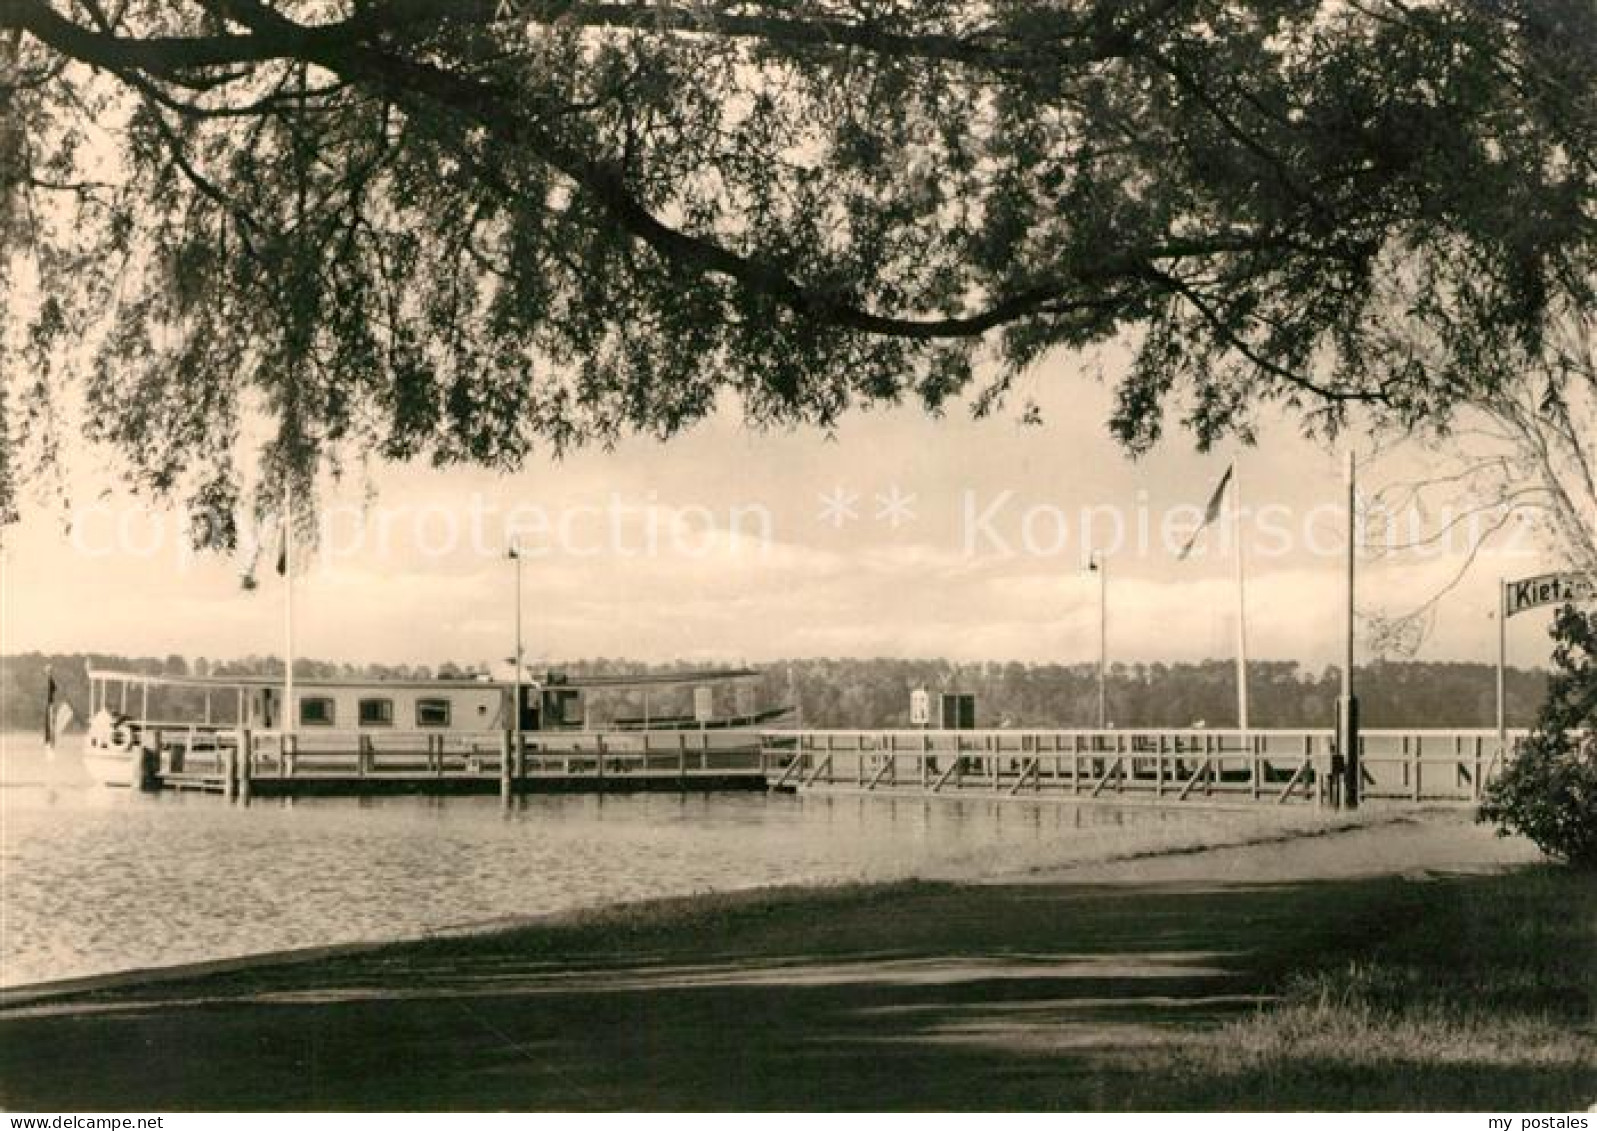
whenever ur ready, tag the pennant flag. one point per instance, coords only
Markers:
(1210, 513)
(49, 707)
(282, 552)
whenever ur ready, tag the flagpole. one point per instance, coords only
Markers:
(1242, 600)
(1348, 720)
(288, 606)
(1097, 563)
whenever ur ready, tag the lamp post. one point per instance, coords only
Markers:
(514, 555)
(1097, 564)
(289, 714)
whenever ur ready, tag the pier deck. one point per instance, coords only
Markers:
(250, 763)
(1167, 767)
(1159, 766)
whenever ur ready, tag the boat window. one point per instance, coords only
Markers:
(316, 712)
(432, 712)
(376, 712)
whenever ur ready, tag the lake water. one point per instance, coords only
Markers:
(94, 880)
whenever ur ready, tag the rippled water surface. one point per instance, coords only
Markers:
(94, 879)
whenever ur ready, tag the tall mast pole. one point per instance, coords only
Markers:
(1242, 599)
(288, 719)
(1103, 641)
(515, 556)
(1349, 721)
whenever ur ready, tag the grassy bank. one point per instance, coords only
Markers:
(1468, 991)
(1482, 994)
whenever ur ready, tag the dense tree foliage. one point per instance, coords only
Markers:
(875, 693)
(1549, 792)
(456, 229)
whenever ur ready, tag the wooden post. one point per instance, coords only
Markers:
(506, 768)
(144, 775)
(243, 738)
(1418, 751)
(230, 773)
(246, 755)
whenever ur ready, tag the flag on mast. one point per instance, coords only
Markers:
(1211, 513)
(49, 707)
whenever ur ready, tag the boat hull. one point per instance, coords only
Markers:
(107, 765)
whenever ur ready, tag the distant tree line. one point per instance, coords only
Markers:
(876, 692)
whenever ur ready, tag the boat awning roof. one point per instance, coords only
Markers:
(576, 683)
(653, 679)
(238, 681)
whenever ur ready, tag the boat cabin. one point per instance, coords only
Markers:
(657, 701)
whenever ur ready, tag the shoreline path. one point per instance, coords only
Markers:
(1058, 989)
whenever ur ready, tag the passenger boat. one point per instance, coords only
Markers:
(136, 719)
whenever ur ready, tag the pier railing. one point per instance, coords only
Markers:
(1166, 765)
(243, 761)
(1280, 766)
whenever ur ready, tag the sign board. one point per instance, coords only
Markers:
(958, 711)
(920, 707)
(1546, 589)
(703, 704)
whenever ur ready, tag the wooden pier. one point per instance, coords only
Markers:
(245, 764)
(1166, 767)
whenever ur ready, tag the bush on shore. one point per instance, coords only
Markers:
(1549, 791)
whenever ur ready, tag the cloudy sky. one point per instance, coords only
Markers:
(899, 535)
